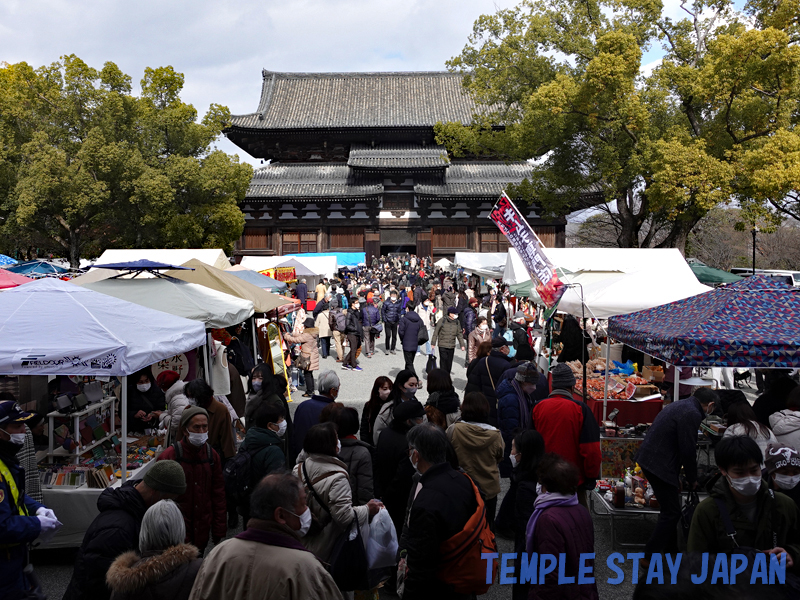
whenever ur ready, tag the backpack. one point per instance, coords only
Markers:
(178, 447)
(238, 474)
(338, 320)
(462, 566)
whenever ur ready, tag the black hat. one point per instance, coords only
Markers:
(499, 342)
(563, 377)
(309, 323)
(411, 409)
(452, 310)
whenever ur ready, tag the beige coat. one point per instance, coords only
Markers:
(332, 483)
(308, 339)
(323, 323)
(477, 336)
(320, 291)
(250, 570)
(479, 449)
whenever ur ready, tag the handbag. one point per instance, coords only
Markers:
(303, 362)
(377, 328)
(422, 335)
(347, 563)
(431, 364)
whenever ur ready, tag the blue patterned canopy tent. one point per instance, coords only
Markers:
(752, 323)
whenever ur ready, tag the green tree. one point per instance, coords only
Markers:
(564, 78)
(85, 165)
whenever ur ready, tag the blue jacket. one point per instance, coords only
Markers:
(15, 529)
(301, 292)
(370, 315)
(391, 311)
(409, 331)
(468, 318)
(306, 415)
(509, 419)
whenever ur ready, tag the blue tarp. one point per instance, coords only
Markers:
(343, 259)
(7, 260)
(36, 267)
(751, 323)
(259, 280)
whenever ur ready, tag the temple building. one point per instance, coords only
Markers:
(352, 166)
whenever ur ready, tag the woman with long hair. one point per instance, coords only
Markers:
(484, 349)
(742, 420)
(377, 398)
(404, 388)
(443, 406)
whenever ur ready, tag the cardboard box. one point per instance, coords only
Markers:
(651, 375)
(645, 390)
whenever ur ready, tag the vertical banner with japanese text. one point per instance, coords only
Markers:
(525, 241)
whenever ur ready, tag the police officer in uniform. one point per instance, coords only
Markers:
(22, 519)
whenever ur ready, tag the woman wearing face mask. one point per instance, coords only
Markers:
(170, 383)
(426, 312)
(377, 398)
(741, 420)
(404, 389)
(264, 442)
(476, 337)
(203, 503)
(327, 482)
(783, 468)
(527, 449)
(146, 401)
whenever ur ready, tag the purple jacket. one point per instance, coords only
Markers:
(567, 530)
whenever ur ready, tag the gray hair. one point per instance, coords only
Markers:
(303, 280)
(430, 441)
(328, 380)
(276, 490)
(162, 527)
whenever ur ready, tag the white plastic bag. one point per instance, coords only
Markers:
(382, 542)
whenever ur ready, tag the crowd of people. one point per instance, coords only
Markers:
(305, 485)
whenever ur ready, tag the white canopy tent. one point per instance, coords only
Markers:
(487, 264)
(93, 334)
(312, 266)
(211, 256)
(179, 298)
(443, 263)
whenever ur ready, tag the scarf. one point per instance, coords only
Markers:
(542, 503)
(525, 409)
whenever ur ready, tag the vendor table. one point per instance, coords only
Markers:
(76, 508)
(631, 412)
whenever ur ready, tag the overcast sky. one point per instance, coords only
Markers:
(222, 46)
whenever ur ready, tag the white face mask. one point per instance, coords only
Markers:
(198, 439)
(413, 464)
(483, 327)
(143, 387)
(16, 438)
(787, 482)
(747, 486)
(281, 428)
(513, 459)
(538, 488)
(305, 521)
(384, 394)
(338, 446)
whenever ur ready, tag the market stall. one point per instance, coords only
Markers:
(97, 336)
(485, 264)
(257, 279)
(210, 256)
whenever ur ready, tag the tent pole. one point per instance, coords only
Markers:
(208, 362)
(677, 385)
(124, 420)
(255, 339)
(605, 384)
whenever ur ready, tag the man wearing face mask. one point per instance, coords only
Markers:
(269, 556)
(263, 442)
(203, 504)
(445, 335)
(391, 318)
(671, 443)
(783, 469)
(116, 529)
(742, 511)
(22, 519)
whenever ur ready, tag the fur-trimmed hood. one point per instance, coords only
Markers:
(130, 573)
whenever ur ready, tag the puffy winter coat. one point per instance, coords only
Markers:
(499, 315)
(393, 471)
(479, 448)
(520, 334)
(354, 324)
(511, 416)
(266, 449)
(203, 503)
(786, 427)
(468, 318)
(391, 311)
(370, 316)
(114, 531)
(168, 575)
(448, 300)
(301, 292)
(329, 478)
(483, 380)
(176, 402)
(409, 331)
(446, 333)
(564, 530)
(308, 339)
(476, 337)
(357, 455)
(322, 323)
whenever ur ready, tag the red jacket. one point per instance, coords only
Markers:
(203, 504)
(570, 430)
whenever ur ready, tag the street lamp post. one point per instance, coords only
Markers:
(755, 231)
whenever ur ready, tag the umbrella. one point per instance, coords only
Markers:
(36, 267)
(10, 280)
(6, 260)
(710, 275)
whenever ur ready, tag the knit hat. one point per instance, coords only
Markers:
(527, 373)
(777, 456)
(473, 302)
(452, 310)
(499, 342)
(166, 476)
(165, 379)
(563, 377)
(411, 409)
(309, 323)
(189, 412)
(519, 315)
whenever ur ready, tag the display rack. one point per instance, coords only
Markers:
(76, 433)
